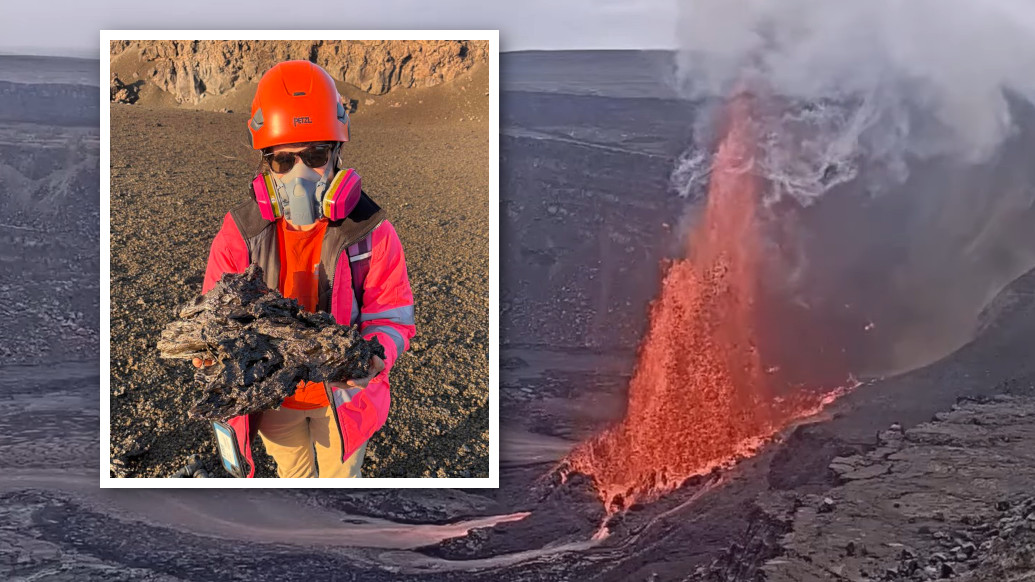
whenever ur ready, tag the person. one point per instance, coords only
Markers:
(321, 240)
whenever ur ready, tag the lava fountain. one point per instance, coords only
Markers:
(700, 396)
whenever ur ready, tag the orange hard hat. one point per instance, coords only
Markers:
(296, 101)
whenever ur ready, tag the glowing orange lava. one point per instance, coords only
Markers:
(700, 396)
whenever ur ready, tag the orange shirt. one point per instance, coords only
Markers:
(299, 267)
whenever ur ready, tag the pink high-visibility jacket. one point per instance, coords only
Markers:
(382, 306)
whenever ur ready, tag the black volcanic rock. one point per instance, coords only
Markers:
(570, 511)
(263, 344)
(946, 499)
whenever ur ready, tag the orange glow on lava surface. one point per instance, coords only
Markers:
(700, 397)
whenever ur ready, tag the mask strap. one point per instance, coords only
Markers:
(278, 190)
(329, 176)
(337, 161)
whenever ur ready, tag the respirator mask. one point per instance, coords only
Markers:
(302, 194)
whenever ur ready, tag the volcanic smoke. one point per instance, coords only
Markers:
(700, 396)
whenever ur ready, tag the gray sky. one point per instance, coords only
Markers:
(70, 27)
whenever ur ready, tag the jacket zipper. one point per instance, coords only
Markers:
(330, 283)
(334, 413)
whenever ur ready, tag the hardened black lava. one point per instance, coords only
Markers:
(263, 344)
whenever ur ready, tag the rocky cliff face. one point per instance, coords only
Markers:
(191, 70)
(49, 234)
(48, 103)
(49, 211)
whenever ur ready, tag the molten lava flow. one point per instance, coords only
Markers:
(700, 396)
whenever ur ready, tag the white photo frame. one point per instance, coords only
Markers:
(106, 480)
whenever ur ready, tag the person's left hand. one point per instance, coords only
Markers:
(377, 365)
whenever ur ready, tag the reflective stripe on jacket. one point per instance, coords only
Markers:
(385, 310)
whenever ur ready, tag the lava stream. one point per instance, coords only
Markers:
(700, 396)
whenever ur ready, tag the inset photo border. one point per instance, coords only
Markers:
(359, 170)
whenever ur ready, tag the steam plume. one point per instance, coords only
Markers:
(913, 121)
(867, 83)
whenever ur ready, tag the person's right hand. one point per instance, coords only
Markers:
(199, 363)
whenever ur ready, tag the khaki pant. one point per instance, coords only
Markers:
(302, 440)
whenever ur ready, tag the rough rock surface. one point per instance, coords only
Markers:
(123, 93)
(191, 70)
(570, 511)
(951, 498)
(263, 345)
(49, 250)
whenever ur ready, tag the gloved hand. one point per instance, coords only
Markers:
(377, 365)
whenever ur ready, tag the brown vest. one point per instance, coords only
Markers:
(261, 238)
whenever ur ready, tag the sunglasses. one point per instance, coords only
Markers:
(312, 156)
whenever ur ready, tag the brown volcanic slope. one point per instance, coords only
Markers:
(175, 173)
